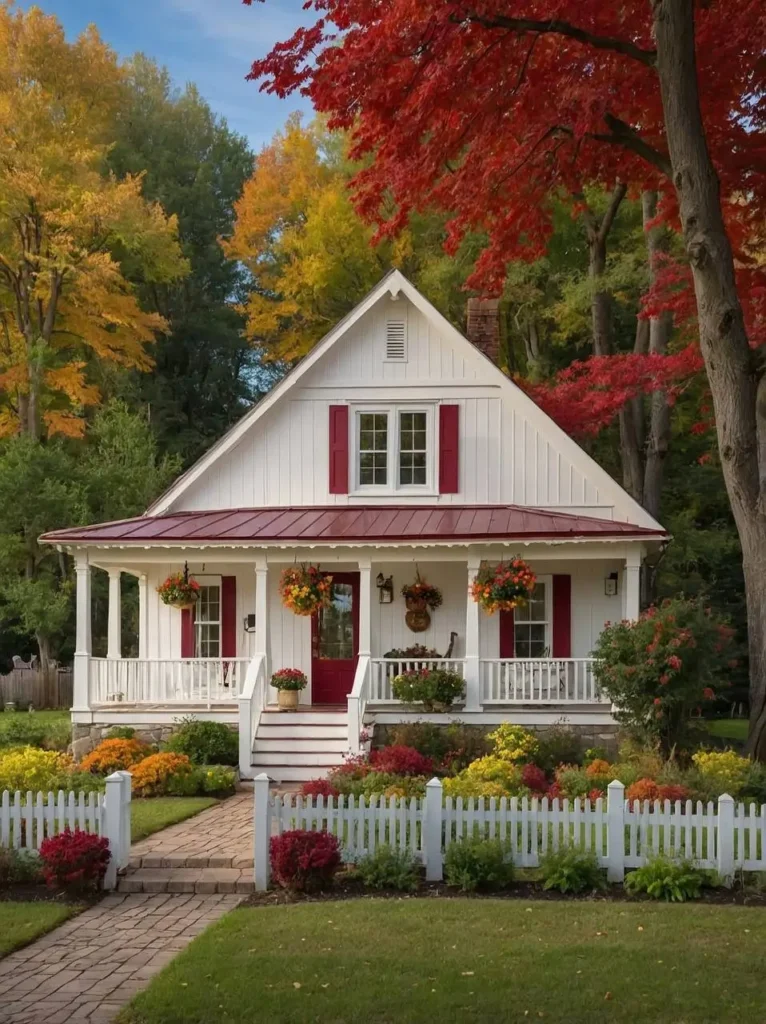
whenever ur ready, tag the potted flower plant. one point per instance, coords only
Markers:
(503, 587)
(305, 589)
(289, 682)
(179, 590)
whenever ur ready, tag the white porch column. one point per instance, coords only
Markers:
(143, 616)
(631, 581)
(472, 680)
(83, 633)
(365, 607)
(262, 609)
(114, 634)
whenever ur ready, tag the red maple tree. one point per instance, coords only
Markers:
(485, 108)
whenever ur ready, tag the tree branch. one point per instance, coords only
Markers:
(607, 220)
(622, 134)
(563, 28)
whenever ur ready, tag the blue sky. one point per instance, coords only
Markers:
(209, 42)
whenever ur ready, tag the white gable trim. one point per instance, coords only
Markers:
(392, 284)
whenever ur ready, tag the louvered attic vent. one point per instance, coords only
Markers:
(396, 340)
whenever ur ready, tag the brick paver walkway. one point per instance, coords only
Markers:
(211, 852)
(87, 969)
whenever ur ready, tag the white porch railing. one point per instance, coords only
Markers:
(538, 681)
(166, 680)
(252, 701)
(357, 703)
(384, 671)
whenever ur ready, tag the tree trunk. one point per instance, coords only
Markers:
(659, 334)
(729, 362)
(632, 430)
(44, 650)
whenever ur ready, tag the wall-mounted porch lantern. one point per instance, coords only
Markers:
(610, 584)
(385, 585)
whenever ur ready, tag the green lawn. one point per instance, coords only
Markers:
(20, 923)
(148, 816)
(729, 728)
(409, 961)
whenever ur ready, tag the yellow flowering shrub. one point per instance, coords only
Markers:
(493, 769)
(30, 768)
(513, 743)
(463, 785)
(724, 768)
(152, 775)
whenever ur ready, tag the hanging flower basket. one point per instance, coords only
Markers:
(305, 589)
(179, 590)
(503, 587)
(421, 595)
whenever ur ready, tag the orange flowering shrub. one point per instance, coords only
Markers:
(673, 792)
(598, 767)
(644, 789)
(114, 756)
(151, 776)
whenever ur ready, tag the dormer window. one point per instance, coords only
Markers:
(394, 450)
(396, 341)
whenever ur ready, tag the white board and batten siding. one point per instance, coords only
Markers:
(510, 452)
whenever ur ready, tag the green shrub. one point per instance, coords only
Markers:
(80, 782)
(121, 732)
(18, 867)
(205, 742)
(452, 747)
(571, 869)
(28, 730)
(754, 787)
(389, 868)
(478, 864)
(559, 746)
(664, 879)
(215, 779)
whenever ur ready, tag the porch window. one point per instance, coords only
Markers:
(531, 624)
(395, 450)
(207, 622)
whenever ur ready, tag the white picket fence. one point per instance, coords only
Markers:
(725, 837)
(26, 819)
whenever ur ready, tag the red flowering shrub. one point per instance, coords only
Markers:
(304, 860)
(660, 668)
(554, 791)
(318, 787)
(673, 793)
(400, 760)
(74, 859)
(534, 778)
(595, 794)
(357, 766)
(644, 789)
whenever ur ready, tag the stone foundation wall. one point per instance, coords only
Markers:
(86, 737)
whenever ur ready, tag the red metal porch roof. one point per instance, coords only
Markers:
(376, 524)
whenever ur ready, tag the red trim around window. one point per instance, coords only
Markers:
(228, 616)
(449, 449)
(562, 616)
(338, 449)
(187, 633)
(507, 636)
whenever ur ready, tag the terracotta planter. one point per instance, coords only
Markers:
(288, 699)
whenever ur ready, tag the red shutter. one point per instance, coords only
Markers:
(562, 616)
(228, 616)
(338, 449)
(449, 441)
(507, 637)
(187, 633)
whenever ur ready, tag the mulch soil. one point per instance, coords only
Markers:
(347, 888)
(42, 894)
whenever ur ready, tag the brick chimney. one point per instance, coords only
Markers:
(483, 326)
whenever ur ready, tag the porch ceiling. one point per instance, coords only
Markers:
(349, 524)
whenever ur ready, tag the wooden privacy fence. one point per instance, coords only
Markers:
(52, 689)
(725, 837)
(28, 818)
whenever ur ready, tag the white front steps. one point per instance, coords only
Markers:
(292, 746)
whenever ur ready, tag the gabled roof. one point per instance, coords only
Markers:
(393, 284)
(373, 524)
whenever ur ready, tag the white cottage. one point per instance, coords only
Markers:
(396, 445)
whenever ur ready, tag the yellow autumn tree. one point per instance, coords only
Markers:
(299, 235)
(67, 228)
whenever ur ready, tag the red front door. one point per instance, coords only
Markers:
(335, 643)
